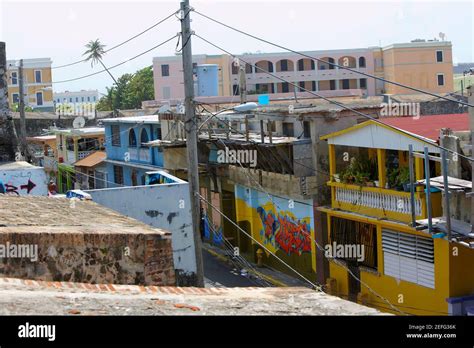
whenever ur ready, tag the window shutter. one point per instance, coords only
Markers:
(408, 257)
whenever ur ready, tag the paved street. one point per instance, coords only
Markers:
(218, 273)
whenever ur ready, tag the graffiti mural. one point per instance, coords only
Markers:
(24, 182)
(284, 233)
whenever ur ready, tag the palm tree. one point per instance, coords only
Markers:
(95, 52)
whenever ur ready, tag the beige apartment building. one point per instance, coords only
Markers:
(421, 64)
(37, 84)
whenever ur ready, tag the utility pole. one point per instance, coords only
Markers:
(242, 85)
(191, 126)
(21, 86)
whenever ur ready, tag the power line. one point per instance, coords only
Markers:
(333, 64)
(116, 65)
(122, 43)
(412, 135)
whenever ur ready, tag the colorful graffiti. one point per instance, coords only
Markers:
(285, 233)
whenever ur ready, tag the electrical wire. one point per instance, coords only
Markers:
(331, 64)
(412, 135)
(122, 43)
(119, 64)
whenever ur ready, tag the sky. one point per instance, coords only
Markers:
(60, 29)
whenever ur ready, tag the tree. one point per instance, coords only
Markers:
(129, 91)
(95, 53)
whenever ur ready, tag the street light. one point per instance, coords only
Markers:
(238, 108)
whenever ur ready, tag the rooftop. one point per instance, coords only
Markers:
(429, 126)
(80, 131)
(92, 160)
(56, 215)
(16, 165)
(133, 119)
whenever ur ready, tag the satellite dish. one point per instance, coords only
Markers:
(78, 122)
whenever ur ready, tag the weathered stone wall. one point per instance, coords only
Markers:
(81, 241)
(91, 258)
(441, 107)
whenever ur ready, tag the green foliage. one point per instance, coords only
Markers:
(16, 108)
(396, 177)
(129, 91)
(360, 171)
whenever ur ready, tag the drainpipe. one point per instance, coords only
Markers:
(412, 185)
(151, 147)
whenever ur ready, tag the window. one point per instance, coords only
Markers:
(16, 98)
(88, 99)
(439, 56)
(361, 62)
(440, 79)
(284, 87)
(306, 129)
(95, 98)
(345, 84)
(235, 68)
(235, 90)
(39, 98)
(408, 257)
(301, 85)
(313, 85)
(77, 99)
(118, 175)
(143, 138)
(82, 99)
(284, 65)
(38, 76)
(332, 85)
(70, 100)
(288, 129)
(158, 133)
(165, 70)
(115, 130)
(363, 83)
(133, 178)
(132, 139)
(301, 65)
(14, 78)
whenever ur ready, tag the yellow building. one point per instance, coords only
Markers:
(426, 65)
(38, 92)
(403, 268)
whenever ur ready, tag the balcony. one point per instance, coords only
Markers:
(380, 202)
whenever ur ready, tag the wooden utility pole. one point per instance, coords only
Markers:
(470, 94)
(191, 125)
(21, 86)
(7, 128)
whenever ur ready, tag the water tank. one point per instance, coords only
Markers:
(207, 80)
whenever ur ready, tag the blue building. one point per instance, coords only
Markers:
(128, 155)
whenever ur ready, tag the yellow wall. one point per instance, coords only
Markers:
(32, 87)
(417, 299)
(461, 261)
(417, 67)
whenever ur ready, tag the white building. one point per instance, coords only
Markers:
(82, 96)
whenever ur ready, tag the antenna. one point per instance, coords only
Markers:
(78, 122)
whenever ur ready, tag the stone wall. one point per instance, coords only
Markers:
(7, 138)
(80, 241)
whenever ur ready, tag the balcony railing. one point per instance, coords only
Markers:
(139, 154)
(379, 202)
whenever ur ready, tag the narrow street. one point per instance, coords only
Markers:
(219, 274)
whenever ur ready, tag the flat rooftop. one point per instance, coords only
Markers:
(60, 215)
(133, 119)
(16, 165)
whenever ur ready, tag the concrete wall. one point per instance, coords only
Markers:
(24, 181)
(165, 206)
